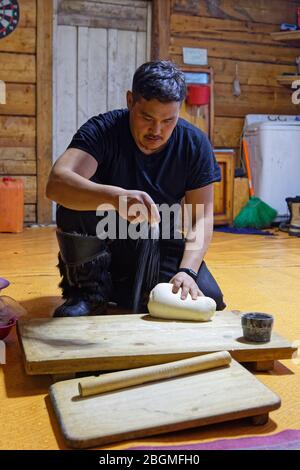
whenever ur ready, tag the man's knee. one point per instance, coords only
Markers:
(209, 286)
(83, 222)
(219, 301)
(215, 293)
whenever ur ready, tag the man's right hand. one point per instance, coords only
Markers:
(69, 185)
(136, 207)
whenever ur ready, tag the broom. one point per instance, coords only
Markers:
(255, 213)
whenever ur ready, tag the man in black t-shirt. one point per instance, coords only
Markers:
(136, 164)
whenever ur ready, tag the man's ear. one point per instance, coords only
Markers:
(129, 98)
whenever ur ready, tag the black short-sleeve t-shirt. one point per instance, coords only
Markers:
(186, 162)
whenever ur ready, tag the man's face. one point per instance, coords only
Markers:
(152, 122)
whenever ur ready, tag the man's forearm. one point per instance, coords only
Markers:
(195, 249)
(76, 192)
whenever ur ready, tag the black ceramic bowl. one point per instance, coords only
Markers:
(257, 327)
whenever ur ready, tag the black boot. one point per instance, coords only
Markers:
(294, 229)
(84, 263)
(292, 226)
(284, 226)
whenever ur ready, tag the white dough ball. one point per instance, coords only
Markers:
(163, 303)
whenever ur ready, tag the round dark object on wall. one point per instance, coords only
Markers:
(9, 17)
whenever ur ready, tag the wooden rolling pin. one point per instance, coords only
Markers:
(126, 378)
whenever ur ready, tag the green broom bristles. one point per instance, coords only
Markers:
(256, 214)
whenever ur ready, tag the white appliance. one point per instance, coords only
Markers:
(273, 144)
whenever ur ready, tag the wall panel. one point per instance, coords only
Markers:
(18, 114)
(237, 34)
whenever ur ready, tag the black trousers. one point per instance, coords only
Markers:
(124, 258)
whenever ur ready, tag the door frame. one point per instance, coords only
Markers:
(44, 58)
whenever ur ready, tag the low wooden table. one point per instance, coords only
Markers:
(115, 342)
(197, 399)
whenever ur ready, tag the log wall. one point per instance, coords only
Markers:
(238, 32)
(18, 115)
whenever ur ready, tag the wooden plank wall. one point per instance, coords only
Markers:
(18, 115)
(238, 32)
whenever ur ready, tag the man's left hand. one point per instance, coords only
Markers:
(187, 284)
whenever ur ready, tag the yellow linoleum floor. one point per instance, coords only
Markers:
(256, 273)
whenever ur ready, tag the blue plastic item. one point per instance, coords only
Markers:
(196, 77)
(3, 283)
(9, 308)
(243, 231)
(288, 27)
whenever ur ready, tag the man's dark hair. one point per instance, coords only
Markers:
(160, 80)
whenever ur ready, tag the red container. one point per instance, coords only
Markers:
(198, 95)
(5, 329)
(11, 205)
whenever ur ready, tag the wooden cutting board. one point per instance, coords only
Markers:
(198, 399)
(115, 342)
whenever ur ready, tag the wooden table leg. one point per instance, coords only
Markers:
(66, 376)
(260, 420)
(260, 366)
